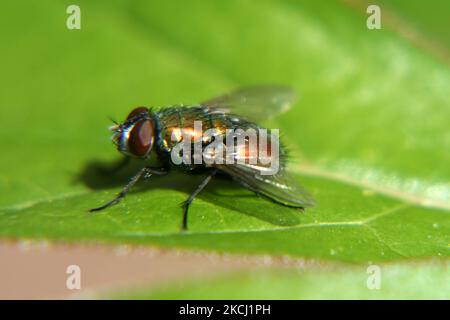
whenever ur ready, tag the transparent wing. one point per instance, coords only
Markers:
(263, 171)
(280, 187)
(256, 103)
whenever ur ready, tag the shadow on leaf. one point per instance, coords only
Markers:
(222, 190)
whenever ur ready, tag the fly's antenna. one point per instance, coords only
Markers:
(113, 121)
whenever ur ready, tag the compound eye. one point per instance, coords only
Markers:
(137, 111)
(141, 138)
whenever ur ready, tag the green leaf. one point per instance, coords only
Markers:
(369, 136)
(413, 281)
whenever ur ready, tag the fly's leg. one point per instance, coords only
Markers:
(186, 203)
(144, 172)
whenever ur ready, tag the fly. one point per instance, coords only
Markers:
(156, 133)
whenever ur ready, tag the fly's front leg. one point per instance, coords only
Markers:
(144, 172)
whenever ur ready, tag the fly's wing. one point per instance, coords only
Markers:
(256, 103)
(257, 172)
(280, 187)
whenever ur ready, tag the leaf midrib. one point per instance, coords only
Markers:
(393, 193)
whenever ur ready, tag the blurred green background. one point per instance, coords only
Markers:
(369, 135)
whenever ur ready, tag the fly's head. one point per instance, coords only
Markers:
(135, 136)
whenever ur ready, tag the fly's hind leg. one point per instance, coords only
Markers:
(143, 173)
(185, 204)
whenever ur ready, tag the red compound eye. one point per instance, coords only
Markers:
(141, 138)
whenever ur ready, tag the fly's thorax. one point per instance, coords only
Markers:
(179, 123)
